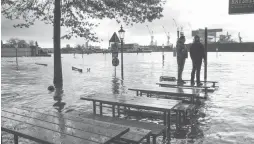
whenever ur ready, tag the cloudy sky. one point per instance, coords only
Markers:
(190, 14)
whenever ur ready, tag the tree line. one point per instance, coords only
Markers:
(19, 43)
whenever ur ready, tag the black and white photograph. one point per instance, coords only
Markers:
(127, 71)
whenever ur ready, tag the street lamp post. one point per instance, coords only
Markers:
(121, 34)
(16, 47)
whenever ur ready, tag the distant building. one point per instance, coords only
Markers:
(127, 47)
(11, 52)
(49, 50)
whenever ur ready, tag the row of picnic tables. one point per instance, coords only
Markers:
(64, 128)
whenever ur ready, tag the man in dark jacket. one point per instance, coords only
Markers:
(197, 53)
(182, 54)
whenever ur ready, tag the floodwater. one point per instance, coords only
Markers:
(226, 117)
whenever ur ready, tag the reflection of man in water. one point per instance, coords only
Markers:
(197, 53)
(182, 54)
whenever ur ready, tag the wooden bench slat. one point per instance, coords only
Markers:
(54, 116)
(205, 81)
(187, 86)
(155, 128)
(183, 106)
(168, 91)
(134, 102)
(60, 128)
(150, 101)
(135, 135)
(92, 130)
(40, 134)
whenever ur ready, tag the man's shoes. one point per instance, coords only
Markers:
(199, 84)
(183, 82)
(180, 83)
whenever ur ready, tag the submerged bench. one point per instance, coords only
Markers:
(135, 126)
(170, 78)
(213, 82)
(41, 64)
(203, 88)
(49, 129)
(182, 110)
(116, 101)
(77, 69)
(178, 92)
(134, 135)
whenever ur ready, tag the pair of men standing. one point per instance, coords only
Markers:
(197, 53)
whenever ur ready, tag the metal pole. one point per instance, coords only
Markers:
(122, 57)
(205, 71)
(17, 56)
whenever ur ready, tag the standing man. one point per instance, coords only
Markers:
(182, 54)
(197, 53)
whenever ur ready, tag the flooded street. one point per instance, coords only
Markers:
(227, 116)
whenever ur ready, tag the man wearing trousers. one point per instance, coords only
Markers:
(182, 54)
(197, 53)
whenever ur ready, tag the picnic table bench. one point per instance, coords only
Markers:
(162, 105)
(205, 88)
(178, 92)
(48, 129)
(169, 78)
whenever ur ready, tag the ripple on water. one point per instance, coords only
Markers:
(226, 117)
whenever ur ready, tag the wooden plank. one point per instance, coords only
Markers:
(171, 84)
(205, 81)
(183, 106)
(54, 118)
(135, 135)
(135, 102)
(150, 101)
(166, 91)
(39, 134)
(154, 128)
(61, 128)
(88, 129)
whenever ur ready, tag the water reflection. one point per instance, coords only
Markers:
(59, 105)
(115, 85)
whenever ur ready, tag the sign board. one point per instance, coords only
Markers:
(241, 6)
(214, 30)
(115, 61)
(114, 40)
(114, 49)
(201, 32)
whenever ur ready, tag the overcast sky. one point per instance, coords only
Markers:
(191, 14)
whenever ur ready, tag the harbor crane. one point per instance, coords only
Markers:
(152, 37)
(167, 34)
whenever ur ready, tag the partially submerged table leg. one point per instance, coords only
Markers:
(101, 108)
(165, 123)
(113, 110)
(118, 110)
(168, 126)
(94, 107)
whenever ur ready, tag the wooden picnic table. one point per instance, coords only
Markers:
(162, 105)
(44, 128)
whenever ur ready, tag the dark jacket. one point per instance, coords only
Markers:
(197, 51)
(181, 50)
